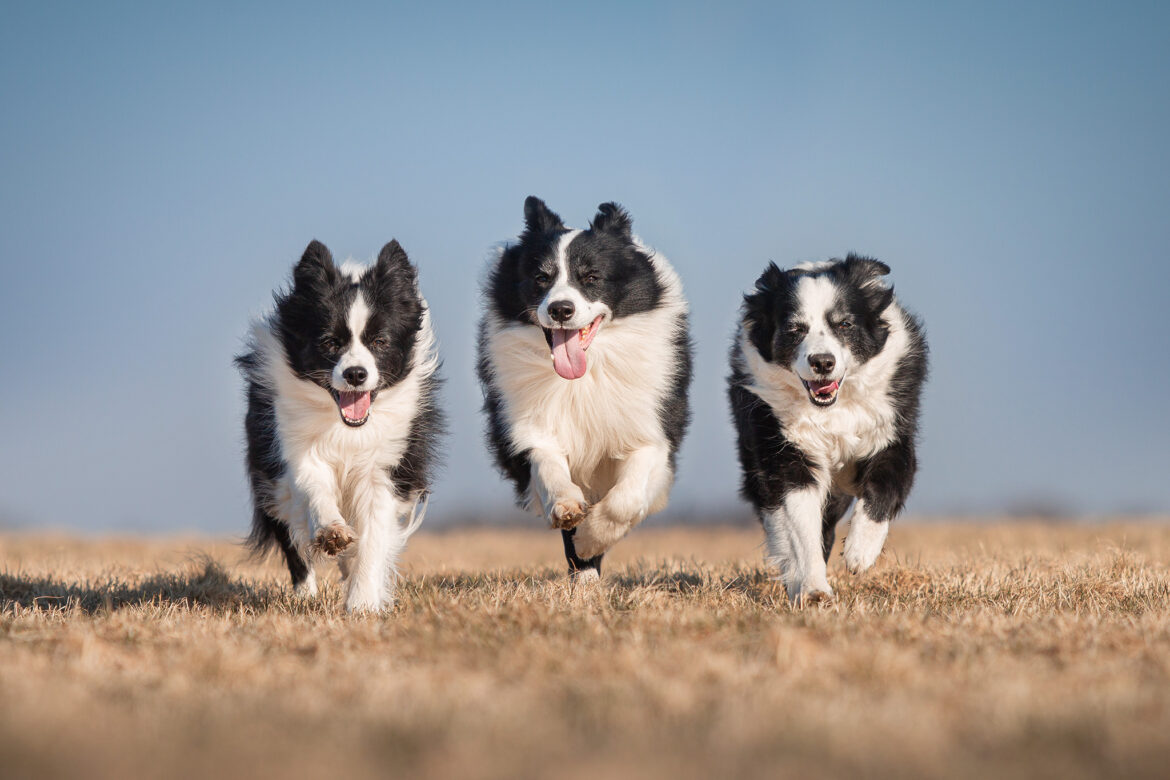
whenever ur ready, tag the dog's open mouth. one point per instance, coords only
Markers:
(822, 393)
(568, 347)
(354, 405)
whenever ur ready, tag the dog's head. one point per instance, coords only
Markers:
(571, 283)
(351, 330)
(820, 321)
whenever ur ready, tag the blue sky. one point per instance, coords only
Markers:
(162, 169)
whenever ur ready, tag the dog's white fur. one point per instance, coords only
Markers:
(597, 439)
(337, 473)
(861, 423)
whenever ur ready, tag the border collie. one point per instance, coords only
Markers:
(342, 422)
(826, 373)
(585, 363)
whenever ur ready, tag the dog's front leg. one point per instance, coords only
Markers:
(642, 487)
(884, 482)
(371, 565)
(794, 539)
(328, 531)
(867, 536)
(561, 501)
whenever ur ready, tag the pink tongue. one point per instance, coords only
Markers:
(355, 406)
(823, 387)
(568, 356)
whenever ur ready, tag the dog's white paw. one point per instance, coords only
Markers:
(800, 595)
(623, 507)
(864, 543)
(367, 606)
(585, 576)
(307, 588)
(368, 598)
(598, 532)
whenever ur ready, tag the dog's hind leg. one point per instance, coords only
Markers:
(580, 568)
(304, 580)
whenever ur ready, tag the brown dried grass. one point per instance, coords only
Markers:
(1019, 650)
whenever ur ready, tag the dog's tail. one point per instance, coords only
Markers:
(266, 533)
(418, 511)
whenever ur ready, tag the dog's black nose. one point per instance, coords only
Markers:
(822, 362)
(561, 310)
(355, 375)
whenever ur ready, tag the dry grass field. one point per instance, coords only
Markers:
(1021, 650)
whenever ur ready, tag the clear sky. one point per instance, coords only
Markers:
(162, 168)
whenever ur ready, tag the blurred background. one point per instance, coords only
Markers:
(162, 168)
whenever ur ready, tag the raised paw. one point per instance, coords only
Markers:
(566, 514)
(334, 538)
(864, 544)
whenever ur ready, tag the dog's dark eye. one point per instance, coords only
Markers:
(844, 324)
(381, 342)
(330, 345)
(590, 278)
(797, 329)
(542, 279)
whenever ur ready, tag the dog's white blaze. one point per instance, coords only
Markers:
(597, 437)
(793, 533)
(584, 310)
(356, 353)
(337, 473)
(866, 538)
(817, 296)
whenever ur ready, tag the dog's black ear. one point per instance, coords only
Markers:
(538, 219)
(761, 308)
(865, 273)
(315, 269)
(771, 280)
(393, 273)
(612, 218)
(864, 269)
(391, 257)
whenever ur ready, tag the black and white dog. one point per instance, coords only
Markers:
(342, 420)
(585, 362)
(826, 374)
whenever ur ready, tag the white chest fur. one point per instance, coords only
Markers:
(309, 425)
(607, 413)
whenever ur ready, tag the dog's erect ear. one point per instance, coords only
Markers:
(612, 218)
(538, 219)
(771, 280)
(393, 274)
(391, 257)
(316, 267)
(761, 309)
(866, 273)
(865, 269)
